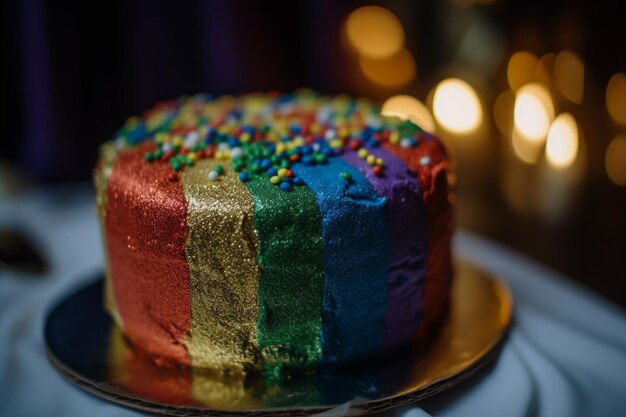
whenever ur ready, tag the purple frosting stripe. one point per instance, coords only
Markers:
(406, 222)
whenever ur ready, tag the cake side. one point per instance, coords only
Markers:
(214, 263)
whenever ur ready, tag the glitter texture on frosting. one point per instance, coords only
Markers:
(146, 231)
(272, 229)
(356, 260)
(291, 257)
(434, 183)
(406, 225)
(221, 252)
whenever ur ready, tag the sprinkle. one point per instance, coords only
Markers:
(405, 142)
(285, 186)
(380, 162)
(148, 157)
(394, 137)
(298, 181)
(282, 172)
(346, 176)
(371, 160)
(175, 163)
(236, 152)
(275, 179)
(362, 153)
(378, 170)
(424, 160)
(192, 156)
(213, 176)
(244, 177)
(271, 172)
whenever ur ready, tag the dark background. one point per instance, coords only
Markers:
(73, 71)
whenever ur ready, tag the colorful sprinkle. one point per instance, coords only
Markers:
(213, 175)
(346, 176)
(424, 161)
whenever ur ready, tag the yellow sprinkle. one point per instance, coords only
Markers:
(177, 140)
(371, 159)
(380, 162)
(244, 137)
(275, 179)
(280, 147)
(336, 143)
(342, 131)
(272, 136)
(394, 137)
(162, 137)
(282, 172)
(298, 141)
(132, 121)
(192, 156)
(363, 153)
(315, 128)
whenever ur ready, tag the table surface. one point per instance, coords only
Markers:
(565, 354)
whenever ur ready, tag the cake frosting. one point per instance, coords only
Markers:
(272, 230)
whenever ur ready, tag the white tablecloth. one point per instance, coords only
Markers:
(565, 355)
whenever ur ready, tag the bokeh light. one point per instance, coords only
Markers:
(533, 112)
(526, 150)
(394, 71)
(456, 106)
(374, 32)
(521, 69)
(569, 76)
(562, 144)
(407, 107)
(616, 98)
(503, 112)
(615, 160)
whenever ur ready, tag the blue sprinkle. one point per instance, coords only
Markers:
(244, 177)
(413, 142)
(271, 172)
(307, 160)
(373, 143)
(306, 150)
(266, 164)
(285, 186)
(295, 128)
(298, 181)
(328, 151)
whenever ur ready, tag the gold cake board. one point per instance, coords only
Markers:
(85, 346)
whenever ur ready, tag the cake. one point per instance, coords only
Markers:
(266, 231)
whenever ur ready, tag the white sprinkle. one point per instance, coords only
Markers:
(424, 160)
(223, 147)
(405, 143)
(192, 139)
(330, 134)
(236, 152)
(373, 121)
(166, 147)
(316, 146)
(120, 142)
(213, 176)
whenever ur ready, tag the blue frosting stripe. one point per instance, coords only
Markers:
(356, 259)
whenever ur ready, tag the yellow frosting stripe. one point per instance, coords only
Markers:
(222, 255)
(102, 173)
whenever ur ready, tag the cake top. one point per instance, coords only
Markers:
(261, 135)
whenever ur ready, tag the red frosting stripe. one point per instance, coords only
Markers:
(146, 232)
(439, 220)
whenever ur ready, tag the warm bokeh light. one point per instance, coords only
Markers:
(374, 32)
(521, 69)
(526, 150)
(562, 144)
(616, 98)
(545, 68)
(394, 71)
(407, 107)
(615, 160)
(569, 76)
(503, 112)
(456, 106)
(533, 112)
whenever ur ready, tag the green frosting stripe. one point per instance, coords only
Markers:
(291, 258)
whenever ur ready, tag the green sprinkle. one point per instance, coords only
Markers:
(255, 168)
(148, 157)
(346, 176)
(158, 154)
(175, 163)
(219, 169)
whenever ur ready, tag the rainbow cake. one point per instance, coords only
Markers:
(273, 230)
